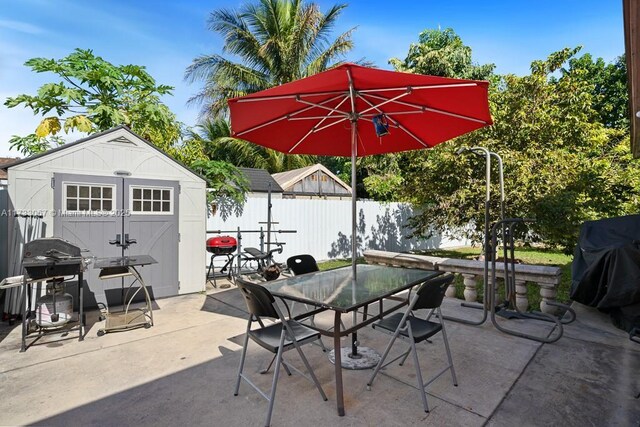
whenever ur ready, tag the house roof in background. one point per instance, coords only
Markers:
(6, 161)
(289, 178)
(259, 180)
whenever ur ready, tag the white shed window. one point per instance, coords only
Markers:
(151, 200)
(88, 197)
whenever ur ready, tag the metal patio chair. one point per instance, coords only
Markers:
(415, 329)
(278, 337)
(301, 264)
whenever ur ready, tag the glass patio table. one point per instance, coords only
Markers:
(335, 290)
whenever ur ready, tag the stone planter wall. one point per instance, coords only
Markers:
(546, 278)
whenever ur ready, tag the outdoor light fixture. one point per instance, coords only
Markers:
(381, 125)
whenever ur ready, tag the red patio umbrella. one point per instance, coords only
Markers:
(342, 112)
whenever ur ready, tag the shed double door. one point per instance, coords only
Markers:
(92, 211)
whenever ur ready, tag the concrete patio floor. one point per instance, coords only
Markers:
(182, 372)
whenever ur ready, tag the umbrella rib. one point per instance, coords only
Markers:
(285, 116)
(315, 128)
(276, 97)
(314, 118)
(393, 113)
(433, 110)
(395, 89)
(331, 124)
(375, 107)
(302, 101)
(397, 123)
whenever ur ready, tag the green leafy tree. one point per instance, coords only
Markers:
(94, 95)
(226, 186)
(442, 53)
(274, 41)
(437, 53)
(562, 165)
(609, 88)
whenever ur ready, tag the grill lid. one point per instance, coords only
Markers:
(53, 248)
(51, 257)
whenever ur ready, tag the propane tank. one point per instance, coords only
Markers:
(54, 309)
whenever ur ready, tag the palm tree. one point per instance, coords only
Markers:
(276, 41)
(215, 137)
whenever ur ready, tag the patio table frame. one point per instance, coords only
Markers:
(282, 289)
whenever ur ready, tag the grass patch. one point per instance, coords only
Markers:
(336, 263)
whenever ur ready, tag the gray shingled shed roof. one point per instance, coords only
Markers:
(259, 180)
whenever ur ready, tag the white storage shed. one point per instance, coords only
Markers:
(112, 186)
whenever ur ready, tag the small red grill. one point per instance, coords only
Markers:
(221, 245)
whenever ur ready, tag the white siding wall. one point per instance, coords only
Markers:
(324, 227)
(30, 189)
(192, 228)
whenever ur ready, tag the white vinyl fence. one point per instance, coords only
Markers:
(323, 227)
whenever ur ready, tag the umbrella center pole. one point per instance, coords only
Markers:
(354, 240)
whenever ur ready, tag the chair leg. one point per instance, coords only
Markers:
(212, 269)
(446, 346)
(284, 365)
(404, 358)
(274, 383)
(265, 370)
(382, 359)
(310, 370)
(242, 357)
(423, 394)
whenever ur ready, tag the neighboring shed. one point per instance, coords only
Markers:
(113, 184)
(314, 181)
(260, 182)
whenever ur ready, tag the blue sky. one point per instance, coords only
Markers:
(165, 36)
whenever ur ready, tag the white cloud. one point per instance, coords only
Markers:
(23, 27)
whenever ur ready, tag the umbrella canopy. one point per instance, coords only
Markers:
(314, 115)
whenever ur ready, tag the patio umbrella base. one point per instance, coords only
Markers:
(367, 358)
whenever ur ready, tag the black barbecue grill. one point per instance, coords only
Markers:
(53, 261)
(50, 258)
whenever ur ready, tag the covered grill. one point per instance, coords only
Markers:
(52, 257)
(222, 245)
(54, 261)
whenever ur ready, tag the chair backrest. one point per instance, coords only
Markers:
(259, 300)
(301, 264)
(431, 292)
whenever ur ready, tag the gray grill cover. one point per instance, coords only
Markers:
(606, 269)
